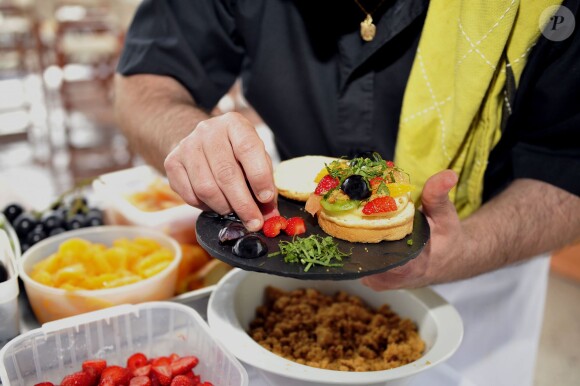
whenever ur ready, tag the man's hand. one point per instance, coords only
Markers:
(432, 265)
(223, 165)
(528, 218)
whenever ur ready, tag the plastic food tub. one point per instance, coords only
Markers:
(155, 329)
(114, 188)
(50, 303)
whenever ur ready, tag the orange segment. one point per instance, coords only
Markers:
(398, 189)
(321, 175)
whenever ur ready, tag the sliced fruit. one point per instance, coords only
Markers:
(273, 226)
(327, 183)
(94, 366)
(77, 379)
(137, 360)
(397, 189)
(295, 226)
(339, 205)
(323, 172)
(183, 365)
(380, 205)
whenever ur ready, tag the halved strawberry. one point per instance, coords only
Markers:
(273, 226)
(160, 361)
(140, 381)
(143, 370)
(182, 380)
(380, 205)
(326, 183)
(77, 379)
(173, 357)
(163, 374)
(295, 226)
(183, 365)
(136, 360)
(94, 366)
(115, 375)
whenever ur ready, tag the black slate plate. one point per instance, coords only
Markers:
(366, 259)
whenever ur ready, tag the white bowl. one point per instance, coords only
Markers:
(49, 303)
(233, 303)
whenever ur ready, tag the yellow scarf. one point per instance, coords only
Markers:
(453, 103)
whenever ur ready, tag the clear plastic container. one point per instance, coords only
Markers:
(9, 317)
(155, 329)
(112, 190)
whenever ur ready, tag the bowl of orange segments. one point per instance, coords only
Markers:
(94, 268)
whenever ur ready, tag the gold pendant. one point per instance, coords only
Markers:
(367, 29)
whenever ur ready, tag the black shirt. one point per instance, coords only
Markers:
(322, 90)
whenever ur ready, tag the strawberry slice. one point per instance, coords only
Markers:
(183, 365)
(160, 361)
(94, 366)
(380, 205)
(182, 380)
(295, 226)
(77, 379)
(163, 374)
(273, 225)
(143, 370)
(326, 183)
(115, 375)
(136, 360)
(140, 381)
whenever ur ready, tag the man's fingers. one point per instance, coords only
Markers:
(249, 150)
(231, 180)
(180, 183)
(435, 197)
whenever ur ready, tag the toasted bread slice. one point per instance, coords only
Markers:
(295, 177)
(355, 228)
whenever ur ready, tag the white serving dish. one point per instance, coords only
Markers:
(233, 303)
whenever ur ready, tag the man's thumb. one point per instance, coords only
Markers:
(435, 197)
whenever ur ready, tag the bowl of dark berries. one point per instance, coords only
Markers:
(68, 212)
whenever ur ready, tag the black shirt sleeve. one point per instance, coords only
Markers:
(541, 137)
(194, 42)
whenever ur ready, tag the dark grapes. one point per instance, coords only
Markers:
(12, 211)
(51, 220)
(75, 222)
(24, 224)
(250, 247)
(356, 187)
(35, 236)
(231, 233)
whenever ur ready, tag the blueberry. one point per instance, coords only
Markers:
(93, 220)
(35, 236)
(75, 222)
(250, 247)
(24, 223)
(231, 233)
(356, 187)
(12, 211)
(51, 220)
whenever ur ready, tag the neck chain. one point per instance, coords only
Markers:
(367, 29)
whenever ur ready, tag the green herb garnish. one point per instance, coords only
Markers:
(311, 250)
(410, 242)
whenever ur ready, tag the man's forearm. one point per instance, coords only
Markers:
(155, 113)
(530, 217)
